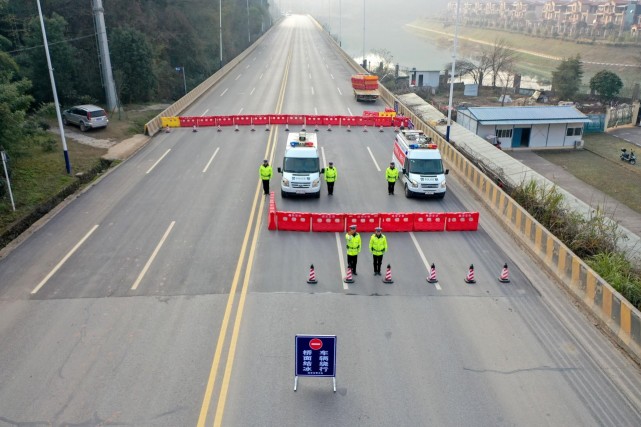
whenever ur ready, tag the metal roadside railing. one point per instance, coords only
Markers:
(597, 295)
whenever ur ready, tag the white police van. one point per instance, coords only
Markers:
(301, 166)
(420, 164)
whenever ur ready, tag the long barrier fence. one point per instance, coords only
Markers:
(373, 119)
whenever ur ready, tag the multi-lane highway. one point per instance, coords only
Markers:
(159, 297)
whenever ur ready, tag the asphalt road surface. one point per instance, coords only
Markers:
(159, 297)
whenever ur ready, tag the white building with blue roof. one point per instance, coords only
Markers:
(526, 127)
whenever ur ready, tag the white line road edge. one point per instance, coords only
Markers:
(341, 261)
(211, 159)
(373, 159)
(62, 261)
(158, 161)
(152, 257)
(422, 255)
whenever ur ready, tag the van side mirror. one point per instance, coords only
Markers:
(404, 170)
(447, 171)
(322, 170)
(280, 170)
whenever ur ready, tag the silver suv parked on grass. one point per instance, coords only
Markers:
(85, 116)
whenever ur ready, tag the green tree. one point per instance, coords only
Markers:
(14, 103)
(607, 84)
(63, 60)
(567, 77)
(132, 61)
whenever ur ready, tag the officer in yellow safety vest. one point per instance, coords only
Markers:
(331, 174)
(378, 246)
(391, 174)
(265, 175)
(353, 248)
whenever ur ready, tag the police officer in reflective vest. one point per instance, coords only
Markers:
(265, 175)
(330, 176)
(391, 174)
(378, 246)
(353, 248)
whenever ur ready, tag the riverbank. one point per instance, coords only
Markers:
(538, 56)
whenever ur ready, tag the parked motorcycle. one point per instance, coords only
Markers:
(628, 157)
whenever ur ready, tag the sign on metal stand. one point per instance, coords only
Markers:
(315, 357)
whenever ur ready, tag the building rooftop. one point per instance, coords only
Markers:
(520, 115)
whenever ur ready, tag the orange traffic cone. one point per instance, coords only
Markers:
(432, 277)
(388, 275)
(349, 128)
(470, 275)
(329, 127)
(505, 275)
(312, 276)
(348, 276)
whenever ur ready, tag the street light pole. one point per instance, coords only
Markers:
(220, 27)
(364, 63)
(340, 23)
(249, 36)
(184, 79)
(449, 108)
(55, 92)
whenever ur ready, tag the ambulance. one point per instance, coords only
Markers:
(301, 166)
(420, 164)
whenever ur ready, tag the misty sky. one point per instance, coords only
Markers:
(384, 27)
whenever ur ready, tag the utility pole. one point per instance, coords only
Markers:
(55, 92)
(105, 60)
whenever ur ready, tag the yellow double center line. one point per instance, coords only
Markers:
(255, 214)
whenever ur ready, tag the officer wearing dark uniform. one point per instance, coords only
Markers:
(378, 246)
(265, 175)
(331, 174)
(353, 247)
(391, 174)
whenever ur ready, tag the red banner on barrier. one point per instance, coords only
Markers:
(207, 121)
(225, 121)
(370, 113)
(272, 212)
(462, 221)
(242, 120)
(187, 121)
(295, 120)
(293, 221)
(277, 119)
(366, 121)
(429, 221)
(260, 120)
(364, 222)
(349, 121)
(333, 222)
(397, 221)
(383, 121)
(332, 120)
(313, 120)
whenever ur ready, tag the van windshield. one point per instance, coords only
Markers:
(426, 166)
(300, 165)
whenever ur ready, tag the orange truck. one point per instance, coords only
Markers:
(365, 87)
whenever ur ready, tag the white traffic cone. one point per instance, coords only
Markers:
(194, 129)
(469, 278)
(312, 276)
(380, 129)
(505, 275)
(348, 276)
(432, 277)
(388, 275)
(219, 129)
(349, 128)
(236, 130)
(329, 127)
(365, 128)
